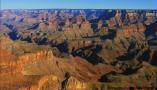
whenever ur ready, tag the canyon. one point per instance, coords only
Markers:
(78, 49)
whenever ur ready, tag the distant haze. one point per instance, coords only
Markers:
(78, 4)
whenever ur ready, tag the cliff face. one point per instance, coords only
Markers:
(75, 84)
(8, 61)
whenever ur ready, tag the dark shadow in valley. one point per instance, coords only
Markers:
(154, 59)
(33, 26)
(145, 56)
(89, 53)
(13, 35)
(127, 56)
(63, 47)
(111, 35)
(151, 29)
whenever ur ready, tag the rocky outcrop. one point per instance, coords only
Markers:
(75, 84)
(49, 83)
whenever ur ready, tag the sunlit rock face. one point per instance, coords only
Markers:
(75, 84)
(78, 49)
(79, 20)
(52, 25)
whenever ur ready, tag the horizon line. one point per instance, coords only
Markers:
(77, 9)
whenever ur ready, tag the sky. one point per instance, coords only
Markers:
(78, 4)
